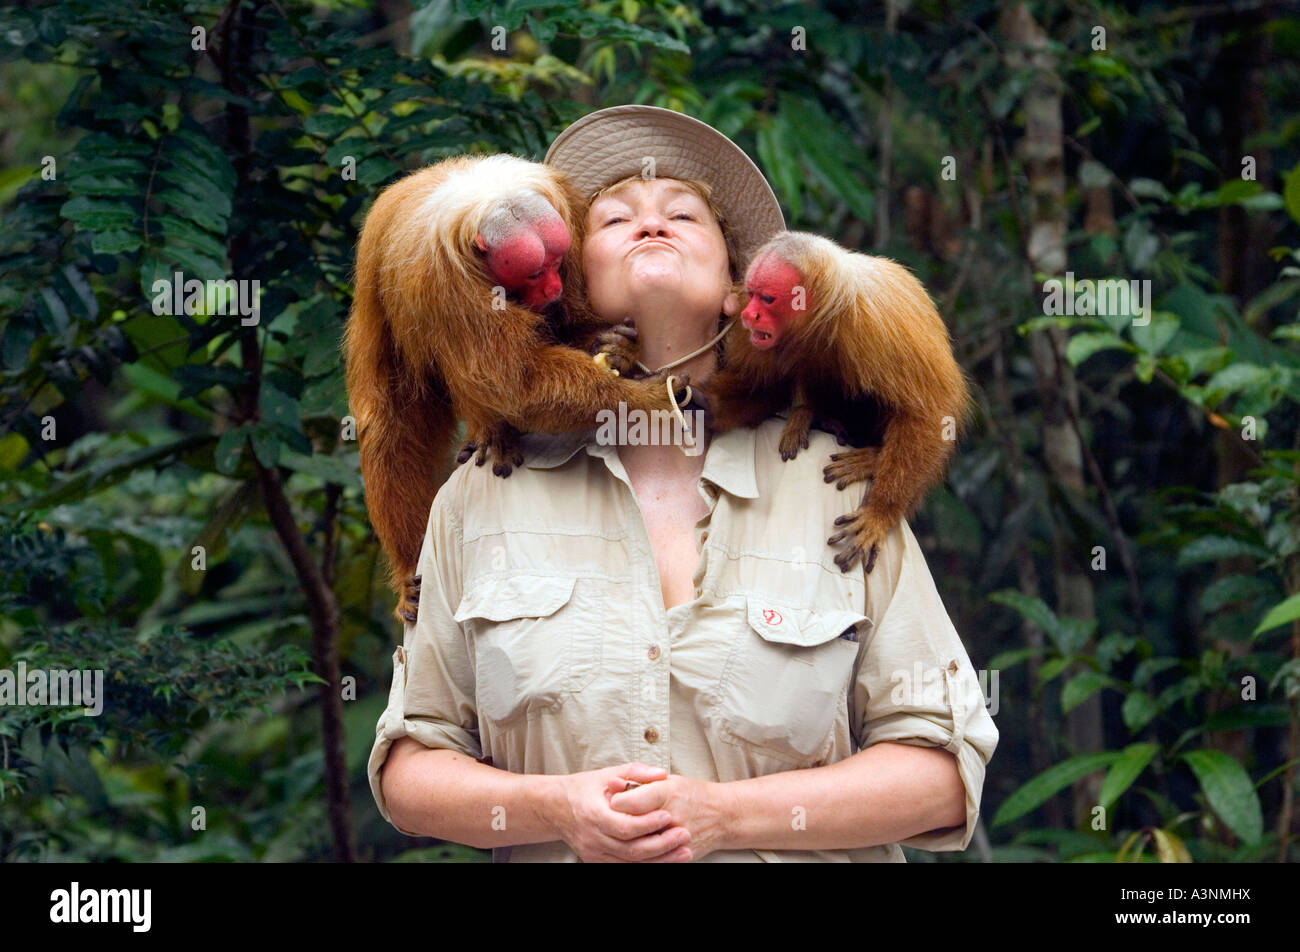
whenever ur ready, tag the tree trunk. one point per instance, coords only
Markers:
(237, 39)
(1042, 151)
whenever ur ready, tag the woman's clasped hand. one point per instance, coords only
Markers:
(664, 818)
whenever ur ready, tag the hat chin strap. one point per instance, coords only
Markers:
(693, 354)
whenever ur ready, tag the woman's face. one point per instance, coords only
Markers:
(654, 240)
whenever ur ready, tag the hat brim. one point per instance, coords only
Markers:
(611, 144)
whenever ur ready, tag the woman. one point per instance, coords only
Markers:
(635, 653)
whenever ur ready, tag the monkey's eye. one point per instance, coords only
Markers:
(535, 275)
(767, 298)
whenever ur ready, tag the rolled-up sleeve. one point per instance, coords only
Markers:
(432, 695)
(915, 683)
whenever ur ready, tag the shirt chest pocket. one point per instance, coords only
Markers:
(537, 639)
(784, 688)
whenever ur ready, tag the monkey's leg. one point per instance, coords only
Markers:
(731, 401)
(503, 442)
(911, 460)
(408, 604)
(795, 435)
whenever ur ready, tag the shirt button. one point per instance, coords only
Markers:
(651, 735)
(653, 653)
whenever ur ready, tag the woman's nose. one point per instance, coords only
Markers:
(651, 223)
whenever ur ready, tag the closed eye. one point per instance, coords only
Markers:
(767, 298)
(611, 221)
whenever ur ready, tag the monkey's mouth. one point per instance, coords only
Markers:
(760, 339)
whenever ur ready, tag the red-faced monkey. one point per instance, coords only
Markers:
(453, 264)
(840, 332)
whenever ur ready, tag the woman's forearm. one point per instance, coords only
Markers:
(443, 793)
(883, 794)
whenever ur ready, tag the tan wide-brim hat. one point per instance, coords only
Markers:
(611, 144)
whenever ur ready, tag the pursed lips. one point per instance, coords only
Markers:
(651, 241)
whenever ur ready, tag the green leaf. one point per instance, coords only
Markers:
(1234, 588)
(102, 474)
(1052, 668)
(1009, 659)
(1082, 686)
(1125, 770)
(230, 447)
(1083, 346)
(1291, 193)
(1213, 548)
(1169, 848)
(1138, 710)
(1230, 793)
(96, 215)
(1280, 614)
(1049, 782)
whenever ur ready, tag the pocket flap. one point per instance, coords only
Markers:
(516, 596)
(778, 623)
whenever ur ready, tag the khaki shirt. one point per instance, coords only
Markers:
(542, 640)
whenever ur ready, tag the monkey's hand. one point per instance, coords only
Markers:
(865, 532)
(795, 435)
(408, 604)
(616, 348)
(852, 467)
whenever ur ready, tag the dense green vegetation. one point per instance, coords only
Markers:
(1119, 538)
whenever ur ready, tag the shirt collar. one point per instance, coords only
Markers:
(728, 464)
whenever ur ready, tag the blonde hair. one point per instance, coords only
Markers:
(705, 191)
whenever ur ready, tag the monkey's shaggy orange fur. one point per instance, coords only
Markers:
(424, 346)
(871, 332)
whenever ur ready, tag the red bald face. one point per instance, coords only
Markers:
(777, 298)
(525, 258)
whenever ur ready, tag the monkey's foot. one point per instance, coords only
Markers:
(616, 349)
(408, 604)
(795, 435)
(852, 467)
(864, 532)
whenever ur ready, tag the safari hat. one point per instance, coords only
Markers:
(611, 144)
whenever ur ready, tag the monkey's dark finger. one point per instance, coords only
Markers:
(845, 520)
(871, 559)
(626, 330)
(466, 452)
(502, 469)
(408, 616)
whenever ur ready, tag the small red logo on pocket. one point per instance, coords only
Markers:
(771, 616)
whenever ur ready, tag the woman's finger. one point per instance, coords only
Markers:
(638, 773)
(642, 799)
(650, 847)
(626, 826)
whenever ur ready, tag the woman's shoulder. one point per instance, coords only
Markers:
(542, 454)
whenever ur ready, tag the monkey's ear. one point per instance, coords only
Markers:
(480, 243)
